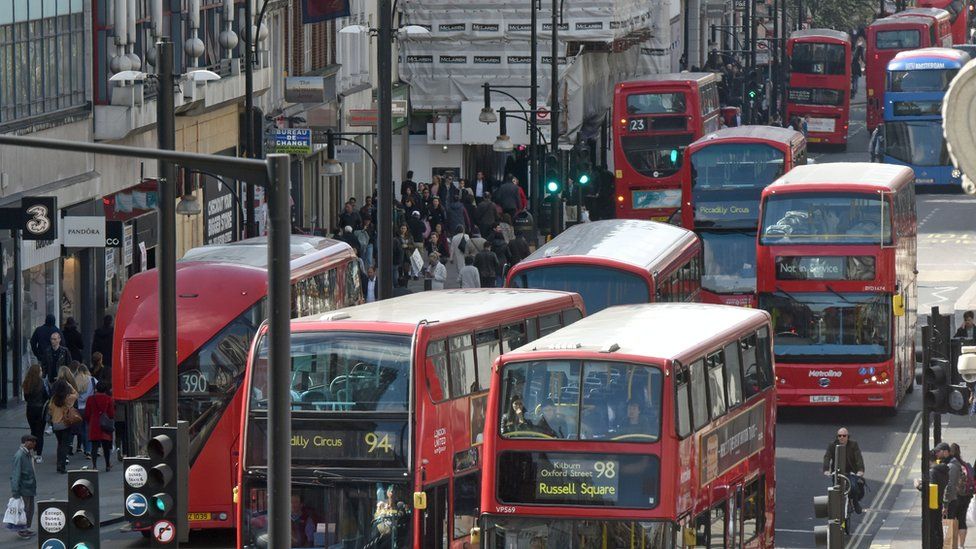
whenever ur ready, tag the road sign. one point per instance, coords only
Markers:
(363, 117)
(543, 116)
(136, 504)
(135, 476)
(164, 531)
(53, 520)
(293, 141)
(348, 154)
(53, 544)
(398, 107)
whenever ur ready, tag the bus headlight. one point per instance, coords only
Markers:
(956, 173)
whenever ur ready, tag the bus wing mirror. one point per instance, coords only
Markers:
(898, 305)
(420, 500)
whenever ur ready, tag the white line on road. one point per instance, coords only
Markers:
(941, 298)
(894, 473)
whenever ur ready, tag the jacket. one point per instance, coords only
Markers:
(102, 343)
(487, 264)
(952, 485)
(74, 342)
(508, 197)
(855, 461)
(53, 360)
(36, 400)
(41, 338)
(57, 412)
(23, 481)
(98, 404)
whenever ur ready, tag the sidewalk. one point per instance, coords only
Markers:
(50, 484)
(903, 527)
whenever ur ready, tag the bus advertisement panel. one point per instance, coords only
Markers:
(650, 425)
(917, 82)
(837, 263)
(820, 83)
(654, 119)
(221, 293)
(887, 37)
(615, 262)
(722, 183)
(388, 409)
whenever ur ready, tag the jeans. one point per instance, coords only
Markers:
(64, 442)
(81, 430)
(36, 423)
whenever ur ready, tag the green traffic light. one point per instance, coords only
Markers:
(674, 155)
(81, 545)
(160, 505)
(552, 186)
(584, 179)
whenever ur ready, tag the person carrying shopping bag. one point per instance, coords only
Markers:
(23, 483)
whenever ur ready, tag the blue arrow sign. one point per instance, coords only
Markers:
(136, 504)
(53, 544)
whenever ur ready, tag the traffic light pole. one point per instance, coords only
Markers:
(166, 262)
(554, 109)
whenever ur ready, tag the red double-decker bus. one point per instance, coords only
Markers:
(640, 426)
(616, 262)
(221, 302)
(941, 19)
(837, 266)
(958, 17)
(820, 83)
(654, 119)
(388, 411)
(886, 37)
(725, 173)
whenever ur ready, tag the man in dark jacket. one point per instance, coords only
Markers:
(486, 214)
(350, 217)
(408, 183)
(41, 339)
(508, 197)
(487, 264)
(72, 338)
(102, 340)
(55, 356)
(23, 481)
(853, 466)
(518, 249)
(939, 476)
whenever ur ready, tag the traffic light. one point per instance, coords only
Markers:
(167, 477)
(83, 520)
(830, 507)
(941, 397)
(553, 182)
(582, 169)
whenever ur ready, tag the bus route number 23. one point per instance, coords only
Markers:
(378, 443)
(637, 125)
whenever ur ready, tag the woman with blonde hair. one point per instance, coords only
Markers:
(65, 374)
(63, 414)
(85, 384)
(35, 395)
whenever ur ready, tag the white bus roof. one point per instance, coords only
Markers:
(253, 252)
(646, 244)
(821, 33)
(700, 77)
(883, 177)
(442, 306)
(669, 331)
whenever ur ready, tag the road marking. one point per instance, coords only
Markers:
(794, 531)
(893, 474)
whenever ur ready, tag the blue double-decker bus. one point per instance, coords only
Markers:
(915, 85)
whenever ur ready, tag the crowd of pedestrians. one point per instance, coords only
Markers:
(449, 222)
(66, 399)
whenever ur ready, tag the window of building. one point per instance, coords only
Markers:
(42, 57)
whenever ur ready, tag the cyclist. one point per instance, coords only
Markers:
(853, 469)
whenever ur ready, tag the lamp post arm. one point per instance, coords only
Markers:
(510, 96)
(529, 124)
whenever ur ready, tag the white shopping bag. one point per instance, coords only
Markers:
(971, 513)
(15, 517)
(416, 263)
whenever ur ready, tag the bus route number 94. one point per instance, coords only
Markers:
(378, 443)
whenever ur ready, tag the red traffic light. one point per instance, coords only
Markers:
(82, 489)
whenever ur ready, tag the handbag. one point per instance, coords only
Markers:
(105, 423)
(72, 417)
(14, 517)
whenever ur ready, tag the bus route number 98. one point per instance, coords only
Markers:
(378, 442)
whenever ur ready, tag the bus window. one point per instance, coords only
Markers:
(765, 361)
(682, 412)
(354, 284)
(733, 375)
(750, 382)
(716, 384)
(699, 395)
(717, 530)
(752, 510)
(467, 491)
(487, 349)
(438, 386)
(513, 337)
(532, 325)
(548, 324)
(463, 380)
(571, 315)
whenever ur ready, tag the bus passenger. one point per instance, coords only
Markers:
(550, 423)
(636, 422)
(514, 420)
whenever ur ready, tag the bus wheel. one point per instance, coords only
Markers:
(146, 533)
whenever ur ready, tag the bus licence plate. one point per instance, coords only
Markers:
(824, 398)
(197, 516)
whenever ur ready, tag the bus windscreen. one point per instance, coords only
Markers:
(656, 103)
(929, 80)
(730, 262)
(830, 327)
(600, 287)
(735, 166)
(341, 371)
(655, 156)
(535, 532)
(917, 142)
(898, 39)
(818, 58)
(825, 218)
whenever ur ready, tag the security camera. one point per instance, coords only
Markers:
(966, 365)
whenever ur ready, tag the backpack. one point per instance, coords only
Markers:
(462, 245)
(967, 482)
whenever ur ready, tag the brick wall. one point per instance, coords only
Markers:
(322, 52)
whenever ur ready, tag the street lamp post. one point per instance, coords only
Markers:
(554, 109)
(384, 181)
(166, 264)
(534, 186)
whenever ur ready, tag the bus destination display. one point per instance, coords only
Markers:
(825, 267)
(356, 443)
(578, 479)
